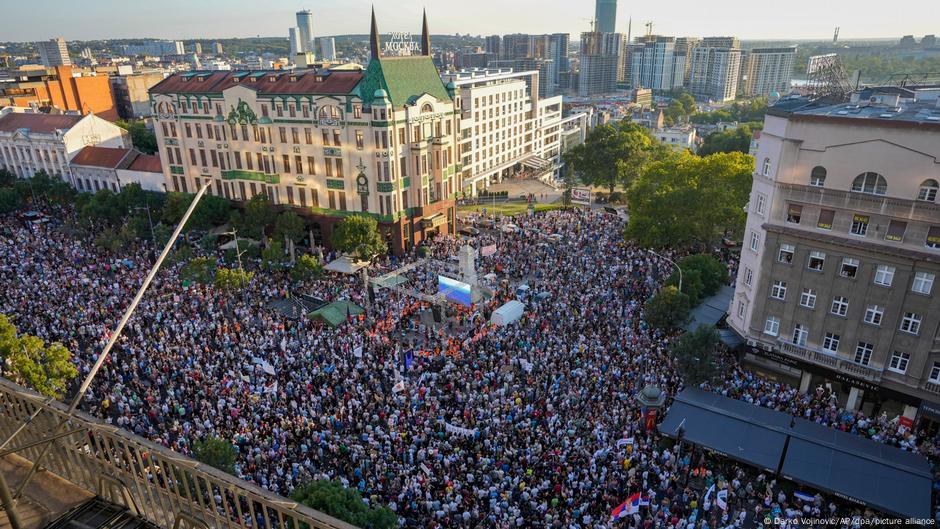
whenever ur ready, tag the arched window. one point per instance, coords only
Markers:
(928, 191)
(870, 183)
(426, 108)
(765, 169)
(330, 112)
(818, 177)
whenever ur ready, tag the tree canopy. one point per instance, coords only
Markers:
(359, 235)
(694, 353)
(215, 452)
(614, 155)
(344, 503)
(143, 138)
(732, 140)
(27, 359)
(740, 111)
(668, 309)
(689, 200)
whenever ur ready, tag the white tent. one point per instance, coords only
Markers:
(242, 243)
(344, 265)
(508, 313)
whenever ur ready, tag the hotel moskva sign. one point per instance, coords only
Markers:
(401, 43)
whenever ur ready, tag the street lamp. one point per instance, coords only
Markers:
(673, 264)
(149, 221)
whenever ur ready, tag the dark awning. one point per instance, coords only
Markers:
(711, 309)
(847, 465)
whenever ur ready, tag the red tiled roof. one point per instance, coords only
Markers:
(303, 83)
(40, 123)
(148, 163)
(92, 156)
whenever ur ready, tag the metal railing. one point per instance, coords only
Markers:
(152, 481)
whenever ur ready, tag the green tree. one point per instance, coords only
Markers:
(211, 211)
(103, 207)
(733, 140)
(668, 309)
(232, 279)
(273, 255)
(289, 227)
(346, 504)
(61, 193)
(613, 156)
(200, 270)
(215, 452)
(6, 177)
(47, 368)
(115, 239)
(712, 272)
(688, 200)
(359, 236)
(9, 200)
(692, 285)
(694, 352)
(569, 181)
(258, 216)
(143, 138)
(306, 267)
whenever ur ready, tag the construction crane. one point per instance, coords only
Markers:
(835, 36)
(649, 30)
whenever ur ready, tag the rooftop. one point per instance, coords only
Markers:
(91, 156)
(38, 123)
(264, 81)
(148, 163)
(879, 105)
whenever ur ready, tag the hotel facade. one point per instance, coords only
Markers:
(380, 142)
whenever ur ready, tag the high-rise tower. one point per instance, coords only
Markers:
(605, 15)
(305, 30)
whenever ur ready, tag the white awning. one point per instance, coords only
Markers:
(344, 265)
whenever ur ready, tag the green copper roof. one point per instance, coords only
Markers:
(404, 78)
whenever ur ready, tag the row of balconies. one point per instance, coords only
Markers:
(914, 210)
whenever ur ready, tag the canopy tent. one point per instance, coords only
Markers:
(852, 467)
(344, 265)
(242, 243)
(390, 281)
(711, 309)
(336, 312)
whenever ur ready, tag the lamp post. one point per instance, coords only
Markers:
(673, 264)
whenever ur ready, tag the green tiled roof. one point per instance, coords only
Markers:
(404, 78)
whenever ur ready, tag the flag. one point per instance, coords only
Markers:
(721, 499)
(488, 250)
(398, 387)
(630, 506)
(805, 496)
(644, 501)
(706, 501)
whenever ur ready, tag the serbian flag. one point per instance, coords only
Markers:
(631, 506)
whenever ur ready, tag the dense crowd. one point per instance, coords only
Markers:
(530, 425)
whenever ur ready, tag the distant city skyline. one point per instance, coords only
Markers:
(177, 19)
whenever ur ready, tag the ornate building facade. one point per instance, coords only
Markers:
(379, 142)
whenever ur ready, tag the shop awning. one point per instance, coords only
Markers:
(537, 162)
(711, 309)
(847, 465)
(433, 221)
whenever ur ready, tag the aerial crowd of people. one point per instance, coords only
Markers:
(534, 424)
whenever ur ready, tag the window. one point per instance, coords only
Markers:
(825, 219)
(742, 308)
(808, 298)
(928, 191)
(294, 134)
(337, 134)
(870, 183)
(849, 267)
(910, 323)
(817, 260)
(933, 238)
(935, 372)
(285, 161)
(874, 314)
(794, 213)
(896, 229)
(326, 138)
(884, 275)
(765, 169)
(761, 204)
(817, 177)
(785, 254)
(779, 290)
(831, 343)
(282, 132)
(840, 306)
(360, 142)
(748, 276)
(755, 241)
(800, 334)
(923, 283)
(863, 353)
(772, 326)
(308, 135)
(899, 362)
(860, 224)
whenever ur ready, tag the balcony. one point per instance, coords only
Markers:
(251, 175)
(812, 355)
(913, 210)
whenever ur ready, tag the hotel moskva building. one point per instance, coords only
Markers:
(379, 142)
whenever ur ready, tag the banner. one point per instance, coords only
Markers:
(488, 250)
(457, 430)
(721, 499)
(581, 195)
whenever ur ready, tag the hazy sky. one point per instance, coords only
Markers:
(29, 20)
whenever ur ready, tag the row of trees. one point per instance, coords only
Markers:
(702, 276)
